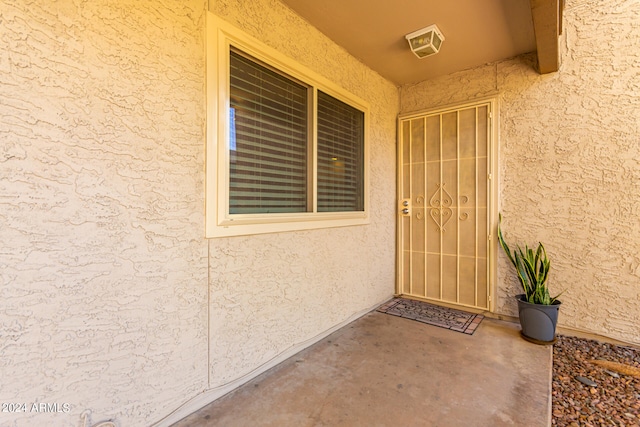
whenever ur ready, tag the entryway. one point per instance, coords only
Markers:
(387, 371)
(447, 195)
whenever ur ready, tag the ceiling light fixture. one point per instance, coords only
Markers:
(425, 42)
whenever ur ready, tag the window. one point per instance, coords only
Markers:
(340, 156)
(286, 149)
(268, 140)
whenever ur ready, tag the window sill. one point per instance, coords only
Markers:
(243, 225)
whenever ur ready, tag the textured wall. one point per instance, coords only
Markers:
(271, 292)
(104, 268)
(570, 162)
(103, 264)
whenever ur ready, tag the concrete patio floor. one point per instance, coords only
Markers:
(382, 370)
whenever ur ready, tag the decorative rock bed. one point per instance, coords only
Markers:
(595, 384)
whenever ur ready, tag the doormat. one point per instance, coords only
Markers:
(444, 317)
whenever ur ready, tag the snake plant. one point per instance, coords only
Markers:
(532, 268)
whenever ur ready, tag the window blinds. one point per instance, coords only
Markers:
(340, 156)
(268, 140)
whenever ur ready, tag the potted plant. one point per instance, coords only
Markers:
(537, 310)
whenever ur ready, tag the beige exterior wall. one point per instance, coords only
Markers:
(269, 293)
(107, 282)
(569, 162)
(113, 301)
(103, 265)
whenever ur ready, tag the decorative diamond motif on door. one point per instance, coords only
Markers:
(440, 210)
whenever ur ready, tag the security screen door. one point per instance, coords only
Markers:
(445, 188)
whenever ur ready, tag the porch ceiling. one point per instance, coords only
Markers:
(476, 32)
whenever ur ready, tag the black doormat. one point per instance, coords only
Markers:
(448, 318)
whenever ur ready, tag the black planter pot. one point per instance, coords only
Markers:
(538, 321)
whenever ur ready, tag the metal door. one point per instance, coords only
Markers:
(445, 187)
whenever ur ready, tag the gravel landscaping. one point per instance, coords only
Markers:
(595, 384)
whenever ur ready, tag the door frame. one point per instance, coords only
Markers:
(492, 188)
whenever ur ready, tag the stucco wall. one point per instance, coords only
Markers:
(112, 300)
(569, 162)
(103, 264)
(271, 292)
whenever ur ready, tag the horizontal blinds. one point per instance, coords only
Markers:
(268, 140)
(340, 156)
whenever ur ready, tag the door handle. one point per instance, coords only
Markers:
(404, 207)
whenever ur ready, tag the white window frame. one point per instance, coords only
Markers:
(219, 223)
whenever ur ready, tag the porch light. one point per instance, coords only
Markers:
(425, 42)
